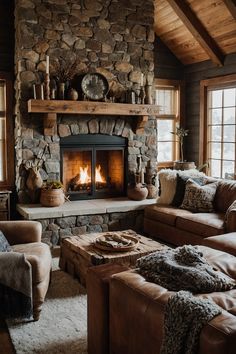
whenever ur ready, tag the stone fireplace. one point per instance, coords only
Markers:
(119, 45)
(93, 166)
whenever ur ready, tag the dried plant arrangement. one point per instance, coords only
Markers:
(63, 70)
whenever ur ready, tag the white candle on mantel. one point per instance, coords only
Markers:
(142, 176)
(47, 64)
(141, 80)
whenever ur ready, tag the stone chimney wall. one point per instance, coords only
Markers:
(113, 37)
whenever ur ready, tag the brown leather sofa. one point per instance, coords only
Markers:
(25, 237)
(136, 312)
(178, 227)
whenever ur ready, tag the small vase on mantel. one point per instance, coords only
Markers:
(61, 90)
(72, 94)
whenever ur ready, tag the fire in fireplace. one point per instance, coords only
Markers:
(93, 166)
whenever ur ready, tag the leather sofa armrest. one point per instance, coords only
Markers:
(137, 310)
(230, 221)
(21, 231)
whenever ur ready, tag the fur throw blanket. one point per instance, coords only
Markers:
(15, 286)
(183, 268)
(185, 316)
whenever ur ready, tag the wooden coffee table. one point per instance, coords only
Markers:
(78, 253)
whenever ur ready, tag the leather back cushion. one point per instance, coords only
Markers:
(225, 195)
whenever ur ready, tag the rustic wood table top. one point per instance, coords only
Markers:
(84, 245)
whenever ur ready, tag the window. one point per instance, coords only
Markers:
(220, 126)
(6, 133)
(167, 96)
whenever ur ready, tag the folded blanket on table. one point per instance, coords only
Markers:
(183, 268)
(15, 286)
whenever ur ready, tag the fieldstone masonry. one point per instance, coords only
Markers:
(113, 37)
(54, 229)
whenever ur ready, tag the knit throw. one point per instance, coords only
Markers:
(183, 268)
(185, 316)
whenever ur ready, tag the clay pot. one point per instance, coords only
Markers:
(52, 197)
(138, 192)
(72, 94)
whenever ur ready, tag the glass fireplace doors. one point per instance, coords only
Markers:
(93, 166)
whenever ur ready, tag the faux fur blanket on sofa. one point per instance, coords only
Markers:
(15, 286)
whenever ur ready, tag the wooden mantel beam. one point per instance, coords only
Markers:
(50, 109)
(198, 31)
(231, 5)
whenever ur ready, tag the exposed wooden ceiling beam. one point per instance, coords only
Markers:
(198, 31)
(231, 5)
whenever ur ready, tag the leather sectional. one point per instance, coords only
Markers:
(178, 226)
(134, 311)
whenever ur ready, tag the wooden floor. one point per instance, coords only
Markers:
(6, 346)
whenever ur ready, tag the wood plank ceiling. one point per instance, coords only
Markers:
(197, 30)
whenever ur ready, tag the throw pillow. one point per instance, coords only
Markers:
(180, 188)
(4, 245)
(167, 186)
(199, 198)
(230, 208)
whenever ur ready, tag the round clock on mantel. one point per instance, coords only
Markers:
(95, 86)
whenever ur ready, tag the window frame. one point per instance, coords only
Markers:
(179, 119)
(8, 183)
(219, 82)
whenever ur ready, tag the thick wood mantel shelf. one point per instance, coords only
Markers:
(50, 109)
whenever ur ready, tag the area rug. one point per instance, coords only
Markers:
(62, 327)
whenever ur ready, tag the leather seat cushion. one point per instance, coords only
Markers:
(165, 214)
(39, 256)
(202, 224)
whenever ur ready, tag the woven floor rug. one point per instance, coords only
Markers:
(62, 327)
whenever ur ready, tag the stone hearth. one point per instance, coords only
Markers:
(85, 216)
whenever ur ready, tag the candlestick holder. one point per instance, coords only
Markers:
(148, 98)
(137, 94)
(142, 95)
(47, 87)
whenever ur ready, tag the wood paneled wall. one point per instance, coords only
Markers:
(167, 66)
(7, 35)
(193, 74)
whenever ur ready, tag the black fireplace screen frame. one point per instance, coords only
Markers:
(93, 143)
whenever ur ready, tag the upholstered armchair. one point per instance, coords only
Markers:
(25, 237)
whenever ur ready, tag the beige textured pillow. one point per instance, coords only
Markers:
(167, 185)
(199, 198)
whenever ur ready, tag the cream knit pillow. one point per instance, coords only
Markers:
(167, 185)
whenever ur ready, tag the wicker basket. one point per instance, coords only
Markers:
(52, 197)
